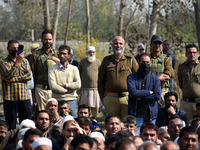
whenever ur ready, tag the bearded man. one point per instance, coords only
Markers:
(89, 68)
(170, 110)
(112, 84)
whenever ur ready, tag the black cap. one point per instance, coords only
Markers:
(156, 38)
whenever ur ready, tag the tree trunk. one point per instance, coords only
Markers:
(46, 13)
(121, 17)
(154, 18)
(197, 18)
(68, 21)
(55, 21)
(88, 21)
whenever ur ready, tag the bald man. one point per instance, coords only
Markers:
(112, 84)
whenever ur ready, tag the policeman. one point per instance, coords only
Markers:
(161, 65)
(189, 80)
(43, 58)
(112, 85)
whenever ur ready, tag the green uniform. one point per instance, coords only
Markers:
(189, 82)
(112, 84)
(113, 74)
(189, 79)
(40, 70)
(162, 65)
(40, 73)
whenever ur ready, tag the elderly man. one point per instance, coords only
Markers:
(64, 80)
(15, 74)
(55, 129)
(89, 68)
(144, 93)
(112, 84)
(161, 65)
(170, 110)
(189, 80)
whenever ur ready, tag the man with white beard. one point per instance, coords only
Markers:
(112, 85)
(89, 68)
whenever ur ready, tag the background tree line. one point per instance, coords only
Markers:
(135, 20)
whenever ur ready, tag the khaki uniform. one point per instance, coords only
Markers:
(40, 73)
(162, 65)
(112, 85)
(189, 82)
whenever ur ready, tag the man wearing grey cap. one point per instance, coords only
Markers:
(161, 65)
(140, 50)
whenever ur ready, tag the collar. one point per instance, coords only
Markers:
(61, 66)
(197, 62)
(123, 57)
(44, 51)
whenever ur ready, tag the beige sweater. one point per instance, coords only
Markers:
(70, 77)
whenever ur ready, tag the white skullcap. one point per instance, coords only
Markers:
(41, 141)
(98, 135)
(19, 144)
(21, 133)
(51, 99)
(67, 118)
(72, 51)
(91, 48)
(27, 123)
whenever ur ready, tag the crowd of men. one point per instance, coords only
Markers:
(141, 111)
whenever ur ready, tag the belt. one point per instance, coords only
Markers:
(119, 94)
(191, 99)
(43, 86)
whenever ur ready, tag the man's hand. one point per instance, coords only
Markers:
(102, 101)
(63, 85)
(171, 110)
(56, 60)
(67, 143)
(164, 77)
(151, 92)
(6, 80)
(19, 58)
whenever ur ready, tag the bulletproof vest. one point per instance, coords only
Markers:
(158, 66)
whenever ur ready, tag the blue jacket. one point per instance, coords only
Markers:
(163, 118)
(134, 87)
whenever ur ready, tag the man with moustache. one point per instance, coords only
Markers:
(64, 80)
(170, 110)
(88, 69)
(112, 84)
(161, 65)
(189, 80)
(15, 74)
(42, 122)
(43, 58)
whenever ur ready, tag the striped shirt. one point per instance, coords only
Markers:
(15, 79)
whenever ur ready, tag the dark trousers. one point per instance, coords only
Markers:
(11, 108)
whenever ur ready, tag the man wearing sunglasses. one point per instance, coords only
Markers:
(174, 127)
(189, 80)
